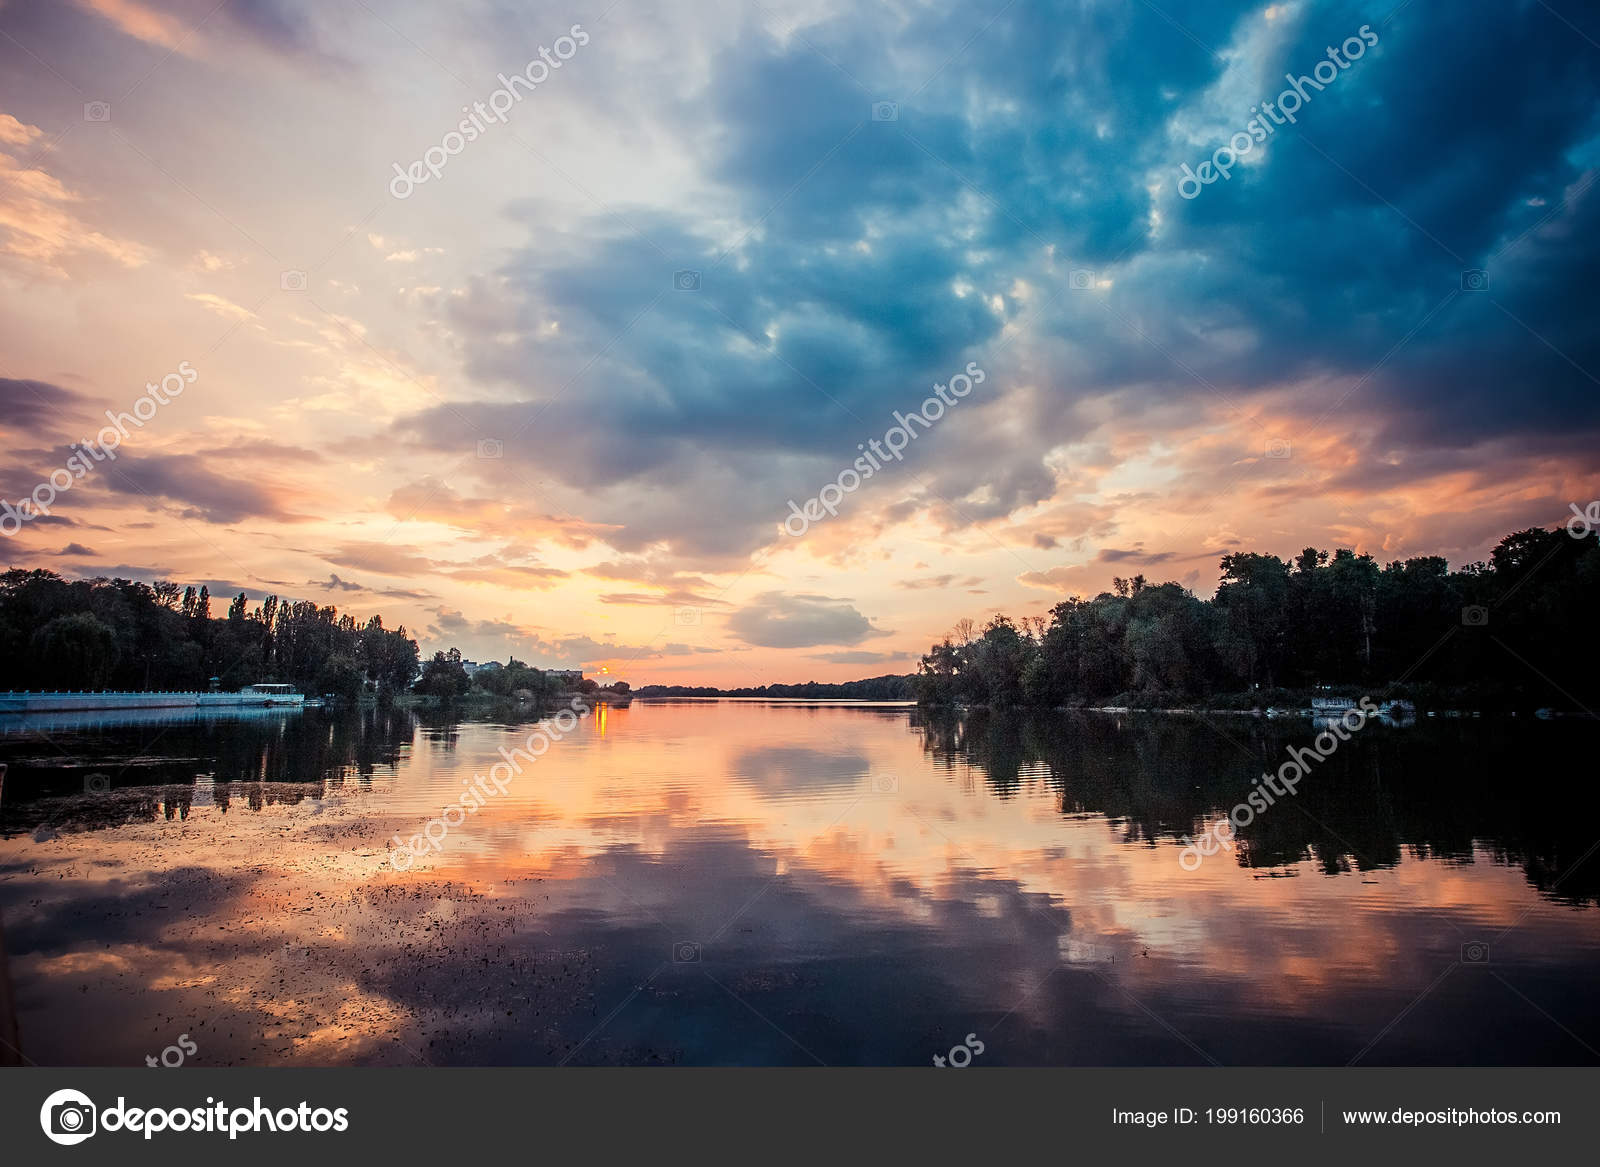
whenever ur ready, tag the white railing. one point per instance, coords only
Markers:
(63, 700)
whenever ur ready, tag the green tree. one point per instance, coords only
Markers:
(997, 663)
(1253, 597)
(340, 676)
(75, 651)
(444, 677)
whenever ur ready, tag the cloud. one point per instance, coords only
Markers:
(671, 599)
(886, 254)
(199, 28)
(436, 501)
(859, 657)
(334, 584)
(15, 133)
(509, 568)
(448, 623)
(491, 569)
(198, 491)
(1056, 579)
(383, 558)
(404, 594)
(142, 573)
(34, 405)
(65, 521)
(226, 589)
(777, 620)
(1133, 555)
(940, 582)
(40, 223)
(677, 589)
(141, 22)
(492, 636)
(639, 569)
(267, 450)
(227, 309)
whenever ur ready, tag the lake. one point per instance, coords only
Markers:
(756, 882)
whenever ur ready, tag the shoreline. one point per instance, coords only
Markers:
(1389, 714)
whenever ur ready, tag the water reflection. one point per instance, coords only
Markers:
(1441, 791)
(89, 772)
(753, 883)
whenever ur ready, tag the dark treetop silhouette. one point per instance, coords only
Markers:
(1337, 620)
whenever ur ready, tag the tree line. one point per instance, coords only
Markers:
(1276, 626)
(890, 687)
(123, 634)
(445, 677)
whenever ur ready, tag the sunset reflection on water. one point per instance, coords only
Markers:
(752, 882)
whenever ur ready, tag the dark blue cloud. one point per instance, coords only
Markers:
(1047, 142)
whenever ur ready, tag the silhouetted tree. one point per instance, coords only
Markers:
(1319, 620)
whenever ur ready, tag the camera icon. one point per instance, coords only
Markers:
(1278, 448)
(97, 111)
(885, 784)
(686, 280)
(490, 448)
(885, 111)
(72, 1118)
(1475, 616)
(292, 281)
(1474, 952)
(97, 784)
(685, 952)
(686, 617)
(68, 1117)
(1474, 279)
(1081, 279)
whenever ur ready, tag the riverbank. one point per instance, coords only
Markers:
(480, 702)
(1396, 702)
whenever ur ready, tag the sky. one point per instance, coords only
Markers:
(565, 390)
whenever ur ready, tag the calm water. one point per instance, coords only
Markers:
(765, 883)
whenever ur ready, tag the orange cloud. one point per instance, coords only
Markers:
(140, 22)
(37, 221)
(433, 501)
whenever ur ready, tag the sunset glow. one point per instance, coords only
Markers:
(555, 402)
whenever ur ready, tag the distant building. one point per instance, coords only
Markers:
(566, 676)
(470, 667)
(1331, 704)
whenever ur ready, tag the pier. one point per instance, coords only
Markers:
(252, 697)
